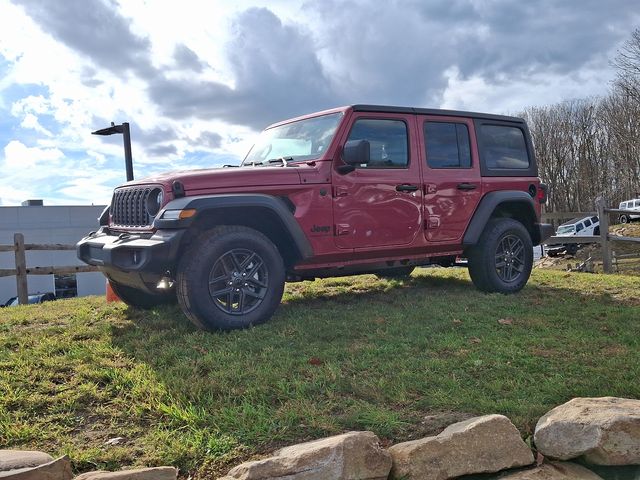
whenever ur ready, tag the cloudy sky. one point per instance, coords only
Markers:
(197, 79)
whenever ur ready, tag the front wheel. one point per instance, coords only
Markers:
(502, 260)
(231, 277)
(624, 219)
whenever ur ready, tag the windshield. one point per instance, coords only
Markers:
(297, 141)
(566, 229)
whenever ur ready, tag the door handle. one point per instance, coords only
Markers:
(405, 187)
(467, 186)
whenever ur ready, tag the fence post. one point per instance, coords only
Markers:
(21, 269)
(603, 217)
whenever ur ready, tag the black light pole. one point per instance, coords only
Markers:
(126, 138)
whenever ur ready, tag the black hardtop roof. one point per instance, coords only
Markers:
(434, 111)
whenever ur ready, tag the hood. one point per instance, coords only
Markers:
(211, 178)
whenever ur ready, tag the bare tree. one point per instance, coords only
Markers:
(627, 62)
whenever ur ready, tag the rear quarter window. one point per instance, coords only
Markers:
(505, 149)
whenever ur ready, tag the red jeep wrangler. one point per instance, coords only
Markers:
(359, 189)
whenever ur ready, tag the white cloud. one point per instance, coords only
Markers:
(196, 81)
(30, 121)
(18, 156)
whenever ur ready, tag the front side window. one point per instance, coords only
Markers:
(388, 142)
(579, 227)
(299, 141)
(504, 147)
(566, 229)
(447, 145)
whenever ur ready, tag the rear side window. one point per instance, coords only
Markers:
(504, 147)
(447, 145)
(594, 219)
(587, 223)
(388, 141)
(637, 203)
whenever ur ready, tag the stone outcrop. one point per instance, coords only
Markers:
(553, 471)
(157, 473)
(59, 469)
(479, 445)
(351, 456)
(603, 431)
(14, 459)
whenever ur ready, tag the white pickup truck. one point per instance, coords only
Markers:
(577, 226)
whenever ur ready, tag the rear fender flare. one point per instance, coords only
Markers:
(488, 205)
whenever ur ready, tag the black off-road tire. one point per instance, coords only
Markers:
(139, 299)
(571, 249)
(502, 260)
(625, 219)
(396, 273)
(230, 277)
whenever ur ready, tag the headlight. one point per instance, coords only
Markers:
(154, 201)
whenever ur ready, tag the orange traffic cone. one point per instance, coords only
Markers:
(111, 295)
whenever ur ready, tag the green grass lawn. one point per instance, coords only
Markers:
(400, 358)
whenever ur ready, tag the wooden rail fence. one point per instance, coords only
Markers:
(604, 239)
(21, 270)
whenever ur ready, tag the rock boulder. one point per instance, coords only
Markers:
(14, 459)
(157, 473)
(604, 431)
(553, 471)
(352, 456)
(479, 445)
(59, 469)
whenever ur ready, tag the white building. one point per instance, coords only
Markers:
(48, 225)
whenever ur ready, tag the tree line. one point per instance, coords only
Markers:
(591, 147)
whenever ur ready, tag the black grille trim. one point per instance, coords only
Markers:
(129, 207)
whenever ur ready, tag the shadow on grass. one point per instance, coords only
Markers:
(400, 358)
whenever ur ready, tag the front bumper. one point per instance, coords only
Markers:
(135, 260)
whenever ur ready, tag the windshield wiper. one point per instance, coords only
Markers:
(281, 160)
(251, 164)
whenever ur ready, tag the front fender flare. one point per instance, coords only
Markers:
(207, 203)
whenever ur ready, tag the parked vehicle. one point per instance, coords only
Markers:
(32, 299)
(577, 226)
(358, 189)
(633, 204)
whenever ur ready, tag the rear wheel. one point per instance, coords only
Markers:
(231, 277)
(139, 299)
(503, 258)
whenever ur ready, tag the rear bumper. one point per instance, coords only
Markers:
(544, 231)
(135, 260)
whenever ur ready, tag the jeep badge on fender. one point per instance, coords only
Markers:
(358, 189)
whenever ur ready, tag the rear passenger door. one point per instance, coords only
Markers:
(450, 176)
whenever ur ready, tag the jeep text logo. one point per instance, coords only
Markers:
(320, 229)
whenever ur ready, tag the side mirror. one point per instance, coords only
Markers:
(356, 152)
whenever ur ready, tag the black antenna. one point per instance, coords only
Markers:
(126, 138)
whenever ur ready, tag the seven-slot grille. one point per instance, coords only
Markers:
(129, 207)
